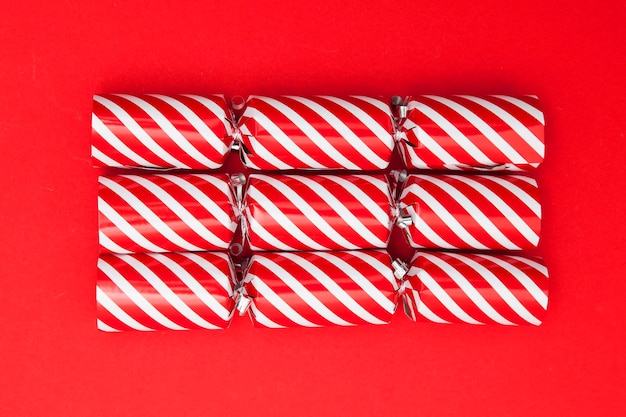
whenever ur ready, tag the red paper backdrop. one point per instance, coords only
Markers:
(55, 55)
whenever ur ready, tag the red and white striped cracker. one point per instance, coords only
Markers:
(472, 212)
(159, 131)
(317, 212)
(469, 132)
(476, 288)
(317, 132)
(312, 289)
(165, 213)
(169, 291)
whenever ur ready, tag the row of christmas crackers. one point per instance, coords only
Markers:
(199, 212)
(189, 290)
(318, 132)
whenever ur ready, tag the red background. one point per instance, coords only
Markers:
(55, 55)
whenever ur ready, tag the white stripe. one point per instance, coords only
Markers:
(284, 221)
(263, 319)
(109, 245)
(443, 297)
(525, 178)
(383, 269)
(409, 304)
(215, 108)
(510, 214)
(125, 227)
(526, 198)
(453, 132)
(266, 237)
(480, 217)
(139, 132)
(320, 222)
(105, 159)
(221, 277)
(116, 143)
(539, 267)
(255, 145)
(460, 167)
(410, 157)
(361, 280)
(197, 288)
(306, 128)
(333, 288)
(528, 108)
(439, 210)
(166, 292)
(105, 327)
(424, 229)
(197, 123)
(426, 312)
(523, 278)
(373, 206)
(171, 131)
(301, 291)
(266, 292)
(103, 299)
(310, 212)
(355, 141)
(207, 201)
(378, 103)
(152, 218)
(501, 289)
(189, 219)
(380, 182)
(135, 296)
(379, 131)
(248, 163)
(468, 289)
(515, 124)
(496, 139)
(428, 142)
(286, 141)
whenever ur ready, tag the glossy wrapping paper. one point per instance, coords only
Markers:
(314, 289)
(165, 213)
(180, 291)
(485, 212)
(444, 287)
(166, 291)
(318, 240)
(317, 212)
(317, 132)
(472, 132)
(160, 131)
